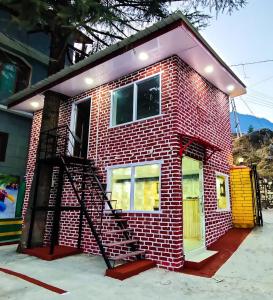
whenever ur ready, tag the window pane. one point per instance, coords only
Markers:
(146, 192)
(148, 98)
(121, 187)
(122, 111)
(221, 192)
(3, 145)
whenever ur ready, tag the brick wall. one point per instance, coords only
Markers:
(190, 105)
(242, 197)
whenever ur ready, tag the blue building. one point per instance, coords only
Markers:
(23, 62)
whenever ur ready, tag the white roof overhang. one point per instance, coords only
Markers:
(179, 41)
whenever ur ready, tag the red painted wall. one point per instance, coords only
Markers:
(190, 105)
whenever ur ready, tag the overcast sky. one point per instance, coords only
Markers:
(247, 36)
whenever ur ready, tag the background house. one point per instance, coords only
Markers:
(23, 61)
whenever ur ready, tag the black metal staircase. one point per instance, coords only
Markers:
(94, 203)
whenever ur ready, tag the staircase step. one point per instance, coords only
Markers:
(126, 255)
(118, 231)
(130, 269)
(120, 243)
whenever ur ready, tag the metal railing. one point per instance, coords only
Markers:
(59, 141)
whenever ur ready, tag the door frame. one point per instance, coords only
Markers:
(72, 125)
(202, 206)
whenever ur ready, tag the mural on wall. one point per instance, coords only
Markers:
(9, 186)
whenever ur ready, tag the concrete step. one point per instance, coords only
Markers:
(130, 269)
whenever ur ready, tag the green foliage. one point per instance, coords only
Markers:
(108, 21)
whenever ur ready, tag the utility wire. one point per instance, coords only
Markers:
(252, 63)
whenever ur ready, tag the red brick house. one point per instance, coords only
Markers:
(152, 115)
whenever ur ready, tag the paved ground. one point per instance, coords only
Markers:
(247, 275)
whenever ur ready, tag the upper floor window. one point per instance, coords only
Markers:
(222, 189)
(136, 101)
(14, 74)
(3, 145)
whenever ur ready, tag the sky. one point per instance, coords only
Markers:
(247, 36)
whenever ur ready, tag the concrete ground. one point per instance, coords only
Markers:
(248, 274)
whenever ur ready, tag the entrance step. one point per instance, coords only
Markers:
(59, 252)
(130, 269)
(198, 260)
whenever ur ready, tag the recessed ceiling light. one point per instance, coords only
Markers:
(88, 80)
(143, 56)
(209, 69)
(34, 104)
(230, 88)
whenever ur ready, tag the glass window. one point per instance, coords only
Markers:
(121, 187)
(14, 74)
(146, 191)
(222, 192)
(137, 101)
(3, 145)
(123, 105)
(136, 188)
(148, 98)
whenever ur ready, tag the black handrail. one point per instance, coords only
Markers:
(57, 142)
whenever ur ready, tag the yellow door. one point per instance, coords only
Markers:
(193, 216)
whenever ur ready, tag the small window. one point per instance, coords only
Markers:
(123, 105)
(121, 187)
(137, 101)
(14, 74)
(136, 188)
(3, 145)
(222, 189)
(148, 98)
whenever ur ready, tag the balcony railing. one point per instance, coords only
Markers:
(59, 141)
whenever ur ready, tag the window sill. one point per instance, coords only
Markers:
(136, 121)
(138, 212)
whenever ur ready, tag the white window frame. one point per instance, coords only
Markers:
(132, 166)
(134, 84)
(227, 191)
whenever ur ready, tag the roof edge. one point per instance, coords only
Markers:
(163, 26)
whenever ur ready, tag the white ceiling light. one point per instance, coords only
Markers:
(209, 69)
(143, 56)
(230, 88)
(34, 104)
(88, 80)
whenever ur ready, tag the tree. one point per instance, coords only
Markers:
(250, 129)
(105, 22)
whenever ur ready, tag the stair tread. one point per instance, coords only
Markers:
(129, 254)
(119, 230)
(118, 243)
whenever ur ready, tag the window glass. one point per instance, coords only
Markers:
(3, 145)
(145, 183)
(14, 74)
(121, 187)
(222, 197)
(146, 190)
(122, 110)
(148, 98)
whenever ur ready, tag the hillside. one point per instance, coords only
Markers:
(247, 120)
(256, 147)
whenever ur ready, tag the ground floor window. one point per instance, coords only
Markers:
(136, 187)
(222, 189)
